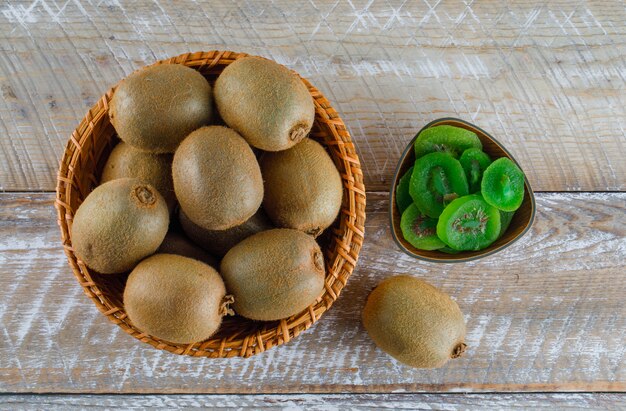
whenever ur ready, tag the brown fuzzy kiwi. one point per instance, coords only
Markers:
(218, 242)
(155, 108)
(274, 274)
(265, 102)
(414, 322)
(120, 223)
(176, 298)
(126, 161)
(303, 188)
(217, 179)
(176, 243)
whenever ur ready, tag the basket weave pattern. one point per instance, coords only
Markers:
(82, 162)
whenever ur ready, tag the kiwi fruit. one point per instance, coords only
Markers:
(469, 223)
(265, 102)
(175, 298)
(155, 108)
(176, 243)
(403, 197)
(217, 179)
(414, 322)
(420, 230)
(155, 169)
(120, 223)
(446, 139)
(505, 220)
(303, 188)
(274, 274)
(218, 242)
(502, 185)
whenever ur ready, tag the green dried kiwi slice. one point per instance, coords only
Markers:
(474, 162)
(437, 179)
(505, 221)
(448, 250)
(419, 230)
(447, 139)
(469, 224)
(503, 185)
(403, 198)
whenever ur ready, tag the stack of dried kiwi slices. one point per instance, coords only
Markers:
(455, 198)
(208, 219)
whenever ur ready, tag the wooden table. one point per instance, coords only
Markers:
(546, 315)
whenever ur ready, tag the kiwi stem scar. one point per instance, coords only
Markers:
(297, 133)
(225, 305)
(458, 350)
(144, 195)
(318, 260)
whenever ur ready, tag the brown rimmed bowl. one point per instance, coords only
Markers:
(79, 173)
(522, 220)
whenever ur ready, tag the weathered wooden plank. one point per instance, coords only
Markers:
(313, 402)
(547, 79)
(546, 314)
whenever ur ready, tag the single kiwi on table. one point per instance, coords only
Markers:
(217, 178)
(303, 189)
(119, 223)
(274, 274)
(155, 108)
(175, 298)
(266, 103)
(414, 322)
(218, 242)
(126, 161)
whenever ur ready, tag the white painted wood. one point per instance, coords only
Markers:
(546, 314)
(545, 78)
(322, 402)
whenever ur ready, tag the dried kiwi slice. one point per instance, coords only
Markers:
(419, 230)
(403, 198)
(469, 223)
(505, 220)
(503, 185)
(474, 162)
(437, 179)
(447, 139)
(449, 250)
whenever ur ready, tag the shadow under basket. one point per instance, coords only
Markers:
(522, 220)
(79, 172)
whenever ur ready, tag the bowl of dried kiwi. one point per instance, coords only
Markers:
(458, 195)
(212, 204)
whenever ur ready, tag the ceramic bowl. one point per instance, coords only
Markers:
(522, 220)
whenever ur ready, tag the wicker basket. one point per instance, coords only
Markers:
(79, 173)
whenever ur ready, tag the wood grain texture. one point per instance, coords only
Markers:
(344, 402)
(547, 80)
(545, 314)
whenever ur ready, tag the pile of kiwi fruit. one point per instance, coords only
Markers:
(211, 202)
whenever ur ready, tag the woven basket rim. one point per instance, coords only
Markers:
(344, 246)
